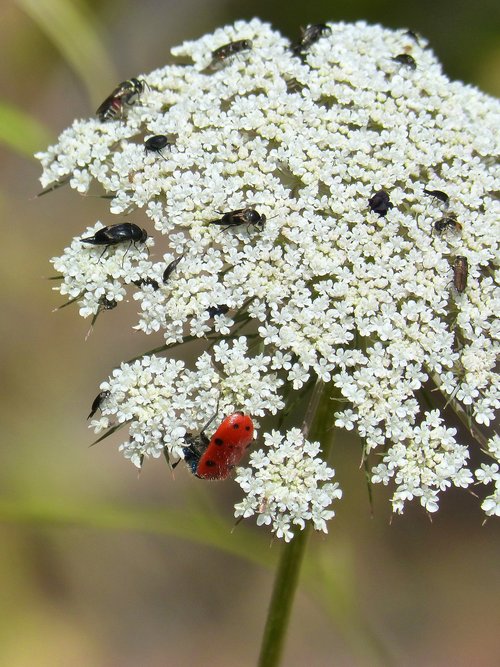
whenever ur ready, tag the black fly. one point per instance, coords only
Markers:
(225, 51)
(115, 234)
(438, 194)
(241, 216)
(97, 402)
(447, 222)
(122, 96)
(406, 59)
(310, 36)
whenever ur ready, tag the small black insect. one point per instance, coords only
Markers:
(438, 194)
(460, 273)
(171, 268)
(413, 35)
(156, 144)
(406, 59)
(97, 402)
(114, 234)
(104, 304)
(447, 222)
(241, 216)
(380, 203)
(217, 310)
(294, 86)
(310, 36)
(227, 50)
(141, 282)
(123, 95)
(107, 304)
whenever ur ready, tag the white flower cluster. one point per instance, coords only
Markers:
(288, 485)
(94, 276)
(161, 399)
(490, 474)
(426, 461)
(327, 285)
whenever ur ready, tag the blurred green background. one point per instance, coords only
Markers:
(102, 567)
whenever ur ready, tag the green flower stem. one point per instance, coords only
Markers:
(287, 578)
(280, 607)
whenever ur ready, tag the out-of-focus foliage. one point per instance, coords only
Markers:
(21, 132)
(82, 596)
(73, 29)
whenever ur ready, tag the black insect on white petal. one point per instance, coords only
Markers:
(310, 36)
(124, 95)
(115, 234)
(380, 203)
(97, 402)
(406, 59)
(241, 216)
(156, 144)
(225, 51)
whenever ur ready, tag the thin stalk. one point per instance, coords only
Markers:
(287, 576)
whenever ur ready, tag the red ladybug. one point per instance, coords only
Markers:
(215, 458)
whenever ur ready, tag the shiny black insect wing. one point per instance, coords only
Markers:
(447, 222)
(241, 216)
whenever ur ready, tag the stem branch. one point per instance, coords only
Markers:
(287, 577)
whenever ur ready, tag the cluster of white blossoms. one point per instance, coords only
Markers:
(161, 399)
(328, 285)
(287, 485)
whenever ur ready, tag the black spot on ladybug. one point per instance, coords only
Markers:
(236, 425)
(219, 441)
(210, 464)
(247, 428)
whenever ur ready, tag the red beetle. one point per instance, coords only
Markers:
(216, 457)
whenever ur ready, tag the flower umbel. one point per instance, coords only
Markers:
(287, 485)
(317, 200)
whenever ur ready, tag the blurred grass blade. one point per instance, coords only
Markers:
(73, 32)
(194, 524)
(20, 132)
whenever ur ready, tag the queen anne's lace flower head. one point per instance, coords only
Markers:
(366, 173)
(288, 485)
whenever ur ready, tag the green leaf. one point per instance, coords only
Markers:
(76, 37)
(195, 524)
(21, 132)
